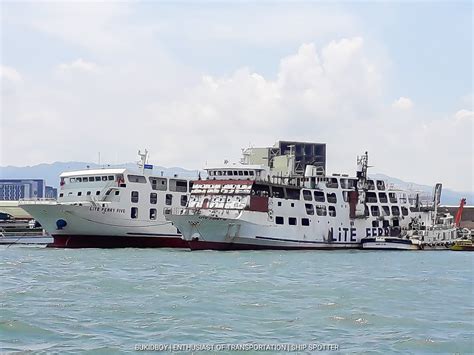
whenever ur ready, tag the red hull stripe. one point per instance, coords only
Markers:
(111, 241)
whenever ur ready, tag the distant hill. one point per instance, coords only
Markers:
(50, 172)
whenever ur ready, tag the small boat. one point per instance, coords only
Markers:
(390, 243)
(463, 245)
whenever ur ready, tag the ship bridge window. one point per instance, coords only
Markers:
(332, 198)
(385, 211)
(91, 178)
(332, 211)
(78, 179)
(219, 173)
(305, 222)
(309, 209)
(393, 197)
(72, 179)
(292, 221)
(134, 196)
(152, 213)
(168, 199)
(383, 197)
(371, 197)
(370, 184)
(97, 178)
(321, 210)
(278, 192)
(279, 220)
(260, 190)
(307, 195)
(236, 173)
(246, 173)
(374, 211)
(319, 196)
(348, 183)
(292, 194)
(251, 173)
(153, 198)
(178, 185)
(104, 178)
(241, 172)
(158, 183)
(395, 211)
(110, 178)
(136, 178)
(380, 185)
(332, 183)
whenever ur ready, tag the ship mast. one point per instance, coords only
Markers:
(143, 160)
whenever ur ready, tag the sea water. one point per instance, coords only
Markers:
(125, 300)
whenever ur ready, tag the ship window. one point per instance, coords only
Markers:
(61, 195)
(279, 203)
(321, 210)
(136, 178)
(246, 173)
(236, 173)
(97, 193)
(152, 213)
(85, 179)
(158, 183)
(91, 178)
(260, 190)
(374, 211)
(153, 198)
(371, 197)
(395, 211)
(104, 178)
(305, 221)
(396, 223)
(134, 212)
(383, 197)
(385, 224)
(88, 193)
(69, 193)
(97, 178)
(190, 185)
(375, 224)
(293, 194)
(251, 173)
(72, 179)
(404, 211)
(78, 179)
(345, 196)
(385, 211)
(117, 192)
(110, 178)
(134, 196)
(380, 185)
(332, 198)
(392, 197)
(348, 183)
(168, 199)
(332, 211)
(370, 185)
(332, 183)
(309, 208)
(279, 220)
(292, 221)
(403, 198)
(184, 200)
(79, 193)
(178, 185)
(241, 172)
(319, 196)
(307, 195)
(278, 192)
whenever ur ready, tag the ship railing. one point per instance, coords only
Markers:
(37, 201)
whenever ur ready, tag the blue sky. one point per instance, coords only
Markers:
(391, 77)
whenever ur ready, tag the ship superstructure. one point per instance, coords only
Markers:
(273, 205)
(113, 208)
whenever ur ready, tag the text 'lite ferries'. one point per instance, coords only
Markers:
(288, 203)
(109, 208)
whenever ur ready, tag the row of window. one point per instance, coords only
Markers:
(352, 183)
(91, 178)
(319, 196)
(231, 173)
(134, 213)
(88, 193)
(134, 197)
(292, 221)
(321, 210)
(375, 211)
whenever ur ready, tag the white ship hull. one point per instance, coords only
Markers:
(389, 244)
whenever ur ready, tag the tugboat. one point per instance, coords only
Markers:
(110, 208)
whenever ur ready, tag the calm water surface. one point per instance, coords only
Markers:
(107, 301)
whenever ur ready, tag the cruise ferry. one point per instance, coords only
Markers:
(109, 208)
(281, 198)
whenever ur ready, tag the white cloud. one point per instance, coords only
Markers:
(464, 115)
(79, 65)
(10, 74)
(403, 103)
